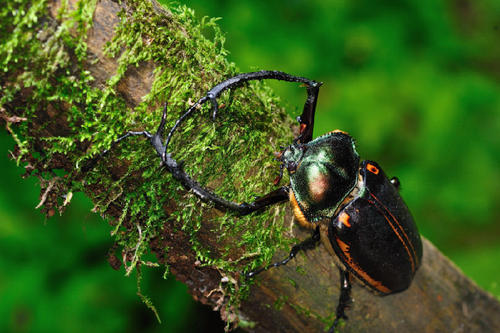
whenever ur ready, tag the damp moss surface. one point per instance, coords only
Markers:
(61, 118)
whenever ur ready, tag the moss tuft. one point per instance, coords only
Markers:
(231, 155)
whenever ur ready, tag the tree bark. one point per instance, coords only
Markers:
(299, 297)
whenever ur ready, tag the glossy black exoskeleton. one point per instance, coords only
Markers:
(352, 207)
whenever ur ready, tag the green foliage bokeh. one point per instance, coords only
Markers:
(415, 82)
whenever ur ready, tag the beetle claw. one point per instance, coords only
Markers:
(215, 106)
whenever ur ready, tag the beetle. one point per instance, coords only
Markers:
(351, 206)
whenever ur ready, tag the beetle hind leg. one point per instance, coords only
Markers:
(344, 299)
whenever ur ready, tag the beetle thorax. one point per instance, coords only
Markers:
(322, 173)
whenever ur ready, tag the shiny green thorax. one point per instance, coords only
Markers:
(322, 173)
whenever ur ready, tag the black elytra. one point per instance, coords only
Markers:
(351, 204)
(375, 235)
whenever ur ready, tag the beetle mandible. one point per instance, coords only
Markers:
(351, 206)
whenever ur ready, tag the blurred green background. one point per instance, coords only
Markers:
(417, 83)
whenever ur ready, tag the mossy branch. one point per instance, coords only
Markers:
(75, 75)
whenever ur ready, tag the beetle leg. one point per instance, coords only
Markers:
(279, 195)
(306, 119)
(91, 163)
(208, 196)
(239, 80)
(344, 298)
(184, 116)
(276, 196)
(307, 244)
(123, 137)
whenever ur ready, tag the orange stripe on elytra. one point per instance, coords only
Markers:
(344, 218)
(372, 168)
(402, 230)
(364, 275)
(411, 254)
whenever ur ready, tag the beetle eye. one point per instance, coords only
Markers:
(372, 168)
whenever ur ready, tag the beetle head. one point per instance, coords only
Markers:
(290, 158)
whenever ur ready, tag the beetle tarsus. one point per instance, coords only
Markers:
(215, 105)
(92, 162)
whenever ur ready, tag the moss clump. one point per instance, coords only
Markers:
(43, 63)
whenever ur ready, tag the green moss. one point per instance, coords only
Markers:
(231, 155)
(280, 302)
(303, 311)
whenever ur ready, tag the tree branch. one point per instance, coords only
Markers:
(69, 78)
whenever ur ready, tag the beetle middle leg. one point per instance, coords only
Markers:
(307, 244)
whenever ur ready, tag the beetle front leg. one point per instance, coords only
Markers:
(240, 79)
(155, 140)
(206, 195)
(279, 195)
(306, 119)
(241, 209)
(307, 244)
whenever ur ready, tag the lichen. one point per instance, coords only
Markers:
(231, 154)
